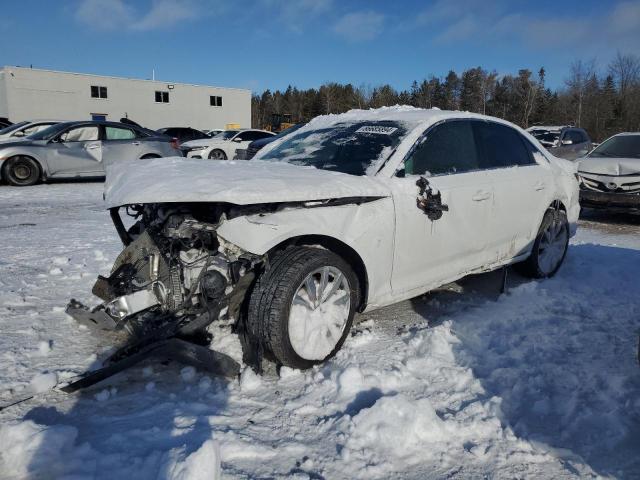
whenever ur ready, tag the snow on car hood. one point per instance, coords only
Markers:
(177, 179)
(610, 166)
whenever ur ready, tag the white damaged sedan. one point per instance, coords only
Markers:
(350, 213)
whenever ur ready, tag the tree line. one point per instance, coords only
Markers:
(603, 102)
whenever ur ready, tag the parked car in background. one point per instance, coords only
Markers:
(399, 202)
(78, 149)
(183, 134)
(24, 129)
(214, 132)
(564, 142)
(255, 146)
(610, 175)
(224, 145)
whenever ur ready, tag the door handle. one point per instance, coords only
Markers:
(540, 186)
(481, 195)
(92, 147)
(135, 143)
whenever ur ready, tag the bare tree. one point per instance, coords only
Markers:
(580, 73)
(625, 70)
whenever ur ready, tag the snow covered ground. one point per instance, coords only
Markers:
(542, 382)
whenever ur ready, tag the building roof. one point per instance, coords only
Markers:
(163, 82)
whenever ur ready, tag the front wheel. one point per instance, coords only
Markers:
(21, 171)
(302, 306)
(217, 154)
(549, 247)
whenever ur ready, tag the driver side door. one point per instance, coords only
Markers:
(76, 151)
(431, 252)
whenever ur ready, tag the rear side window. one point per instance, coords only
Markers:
(251, 136)
(446, 149)
(117, 133)
(576, 136)
(501, 146)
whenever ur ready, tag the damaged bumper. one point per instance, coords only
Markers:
(610, 200)
(174, 277)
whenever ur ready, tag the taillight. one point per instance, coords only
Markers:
(175, 143)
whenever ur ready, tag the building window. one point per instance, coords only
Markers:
(162, 97)
(98, 92)
(215, 101)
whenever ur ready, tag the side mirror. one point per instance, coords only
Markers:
(567, 142)
(237, 140)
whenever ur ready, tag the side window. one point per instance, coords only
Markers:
(576, 136)
(446, 149)
(246, 136)
(80, 134)
(29, 130)
(117, 133)
(501, 146)
(260, 135)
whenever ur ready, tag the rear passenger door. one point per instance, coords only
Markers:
(429, 252)
(120, 144)
(522, 184)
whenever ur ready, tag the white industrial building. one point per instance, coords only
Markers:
(33, 94)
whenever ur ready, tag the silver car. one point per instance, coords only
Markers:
(610, 175)
(567, 142)
(20, 130)
(79, 149)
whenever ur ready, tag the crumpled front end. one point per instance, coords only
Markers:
(175, 275)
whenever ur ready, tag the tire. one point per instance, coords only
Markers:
(217, 154)
(538, 265)
(149, 155)
(21, 171)
(269, 315)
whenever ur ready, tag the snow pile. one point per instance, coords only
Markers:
(203, 464)
(541, 382)
(31, 450)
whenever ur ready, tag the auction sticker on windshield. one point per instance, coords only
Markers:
(376, 129)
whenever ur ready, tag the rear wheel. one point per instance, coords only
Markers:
(549, 247)
(217, 154)
(302, 306)
(21, 171)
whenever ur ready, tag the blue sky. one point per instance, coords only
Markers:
(263, 44)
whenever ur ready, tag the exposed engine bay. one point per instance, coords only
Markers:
(175, 275)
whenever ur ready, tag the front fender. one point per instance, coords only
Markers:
(368, 228)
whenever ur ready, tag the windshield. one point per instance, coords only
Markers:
(546, 136)
(49, 132)
(358, 148)
(227, 134)
(621, 146)
(13, 127)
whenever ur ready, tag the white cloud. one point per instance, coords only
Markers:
(122, 15)
(360, 26)
(464, 20)
(295, 14)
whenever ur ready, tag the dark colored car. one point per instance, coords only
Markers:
(568, 142)
(257, 145)
(183, 134)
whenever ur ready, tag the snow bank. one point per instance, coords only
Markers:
(31, 450)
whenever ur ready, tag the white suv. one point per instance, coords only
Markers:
(350, 213)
